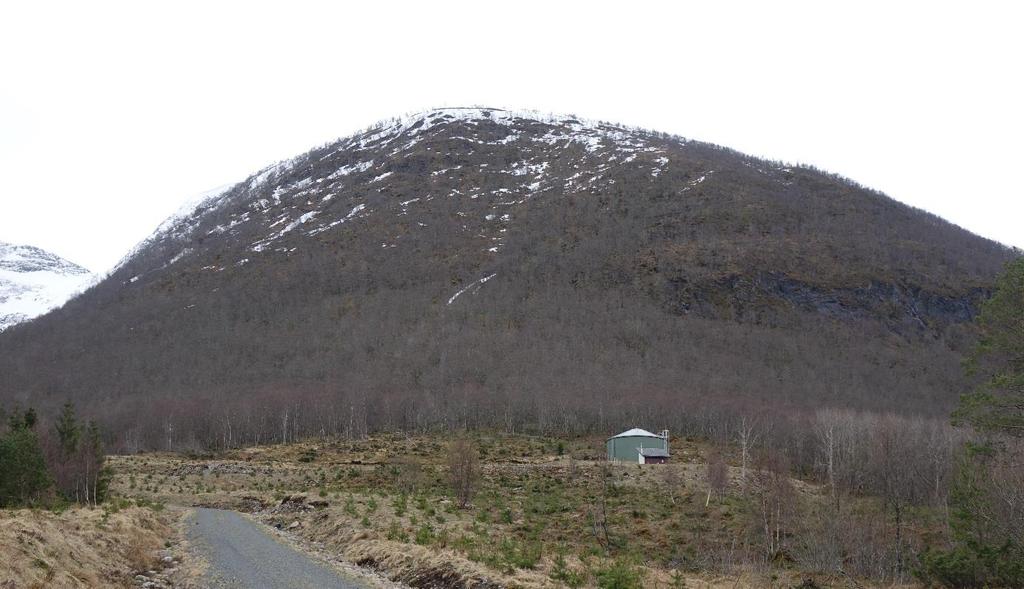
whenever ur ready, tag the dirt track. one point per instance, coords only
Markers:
(240, 554)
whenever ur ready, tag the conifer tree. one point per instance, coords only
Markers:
(24, 478)
(68, 432)
(997, 406)
(97, 472)
(985, 519)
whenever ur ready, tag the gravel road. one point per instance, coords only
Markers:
(240, 553)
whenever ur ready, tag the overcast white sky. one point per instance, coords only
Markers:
(113, 113)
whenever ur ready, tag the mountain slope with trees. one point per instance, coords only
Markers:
(480, 267)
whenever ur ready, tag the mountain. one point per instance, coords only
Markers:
(488, 267)
(33, 281)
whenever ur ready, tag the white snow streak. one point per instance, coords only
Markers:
(476, 283)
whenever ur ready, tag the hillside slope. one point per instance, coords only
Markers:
(478, 266)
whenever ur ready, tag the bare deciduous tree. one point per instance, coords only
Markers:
(463, 470)
(718, 473)
(746, 437)
(775, 501)
(408, 474)
(672, 481)
(599, 509)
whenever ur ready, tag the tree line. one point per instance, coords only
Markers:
(42, 466)
(907, 496)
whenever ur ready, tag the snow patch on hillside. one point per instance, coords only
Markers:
(272, 204)
(476, 283)
(180, 224)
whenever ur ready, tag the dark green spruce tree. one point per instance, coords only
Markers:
(986, 517)
(68, 432)
(24, 478)
(67, 465)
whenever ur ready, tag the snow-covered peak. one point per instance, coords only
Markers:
(515, 156)
(569, 126)
(27, 258)
(434, 116)
(179, 223)
(34, 281)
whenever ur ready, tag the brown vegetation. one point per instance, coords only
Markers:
(549, 512)
(79, 547)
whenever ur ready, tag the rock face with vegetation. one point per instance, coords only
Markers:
(478, 267)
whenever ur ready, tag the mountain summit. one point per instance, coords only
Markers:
(482, 266)
(33, 281)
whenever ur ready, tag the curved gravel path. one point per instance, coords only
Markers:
(241, 554)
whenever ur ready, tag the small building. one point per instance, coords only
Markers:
(653, 456)
(628, 445)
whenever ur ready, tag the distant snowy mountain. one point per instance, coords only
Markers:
(33, 281)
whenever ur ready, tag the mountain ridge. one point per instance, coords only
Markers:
(458, 265)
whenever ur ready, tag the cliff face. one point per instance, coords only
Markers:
(903, 309)
(475, 263)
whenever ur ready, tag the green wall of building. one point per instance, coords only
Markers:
(627, 448)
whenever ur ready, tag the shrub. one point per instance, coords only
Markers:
(407, 474)
(350, 507)
(397, 533)
(401, 503)
(424, 535)
(619, 575)
(519, 555)
(974, 565)
(561, 572)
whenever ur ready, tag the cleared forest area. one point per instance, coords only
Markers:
(550, 512)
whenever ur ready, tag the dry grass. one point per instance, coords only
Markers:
(141, 550)
(532, 508)
(420, 566)
(77, 548)
(385, 502)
